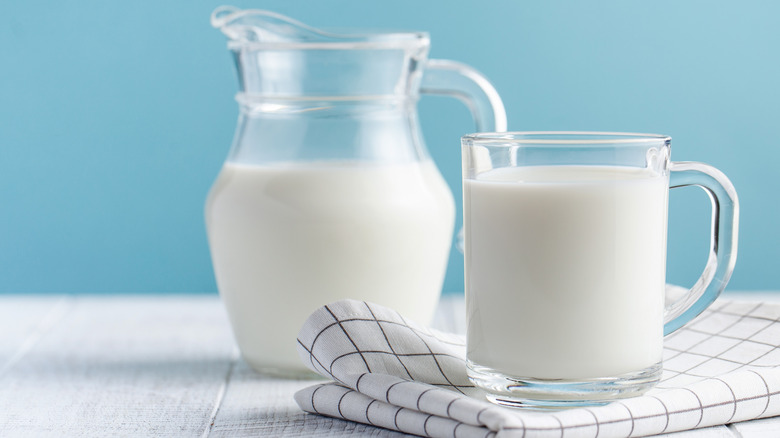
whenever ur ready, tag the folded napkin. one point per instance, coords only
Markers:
(389, 372)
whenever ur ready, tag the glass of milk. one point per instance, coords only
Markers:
(565, 262)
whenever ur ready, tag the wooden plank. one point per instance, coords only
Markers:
(763, 428)
(142, 366)
(763, 296)
(24, 320)
(256, 405)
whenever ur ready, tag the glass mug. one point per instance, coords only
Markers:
(565, 262)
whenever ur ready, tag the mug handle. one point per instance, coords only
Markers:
(723, 243)
(454, 79)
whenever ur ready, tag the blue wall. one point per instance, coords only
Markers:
(115, 118)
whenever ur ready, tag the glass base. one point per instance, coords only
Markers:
(522, 392)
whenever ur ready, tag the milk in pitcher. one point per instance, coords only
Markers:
(287, 239)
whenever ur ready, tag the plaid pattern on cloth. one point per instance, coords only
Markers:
(721, 368)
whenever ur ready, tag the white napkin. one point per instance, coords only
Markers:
(723, 367)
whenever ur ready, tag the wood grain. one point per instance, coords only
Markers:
(121, 366)
(24, 321)
(167, 366)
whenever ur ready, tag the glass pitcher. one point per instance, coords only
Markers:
(328, 191)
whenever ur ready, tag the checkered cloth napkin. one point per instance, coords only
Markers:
(389, 372)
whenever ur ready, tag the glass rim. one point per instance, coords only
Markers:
(564, 138)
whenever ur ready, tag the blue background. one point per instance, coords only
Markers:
(115, 118)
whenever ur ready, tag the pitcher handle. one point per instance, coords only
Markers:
(450, 78)
(723, 243)
(443, 77)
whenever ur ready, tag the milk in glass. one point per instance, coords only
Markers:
(565, 270)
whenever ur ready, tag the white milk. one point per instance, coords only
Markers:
(565, 270)
(286, 240)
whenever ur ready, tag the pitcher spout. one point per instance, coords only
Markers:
(246, 25)
(256, 25)
(277, 56)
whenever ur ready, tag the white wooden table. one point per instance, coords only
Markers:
(167, 365)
